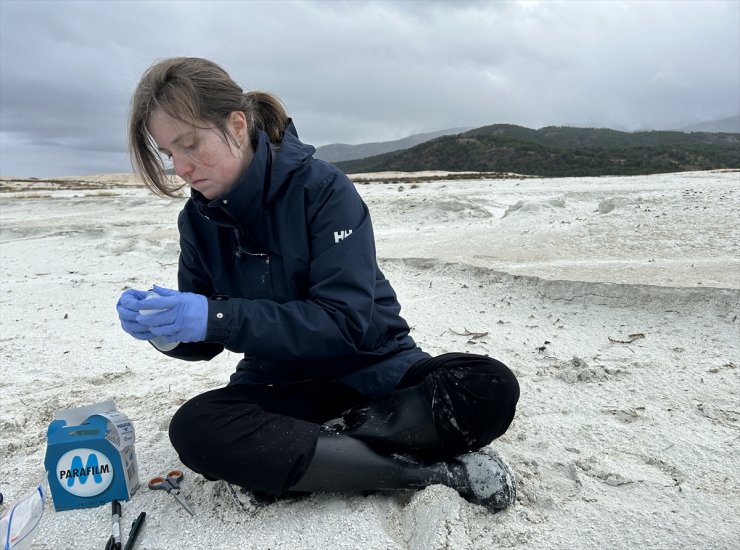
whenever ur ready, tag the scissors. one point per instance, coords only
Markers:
(171, 484)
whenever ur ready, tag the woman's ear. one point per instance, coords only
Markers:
(238, 125)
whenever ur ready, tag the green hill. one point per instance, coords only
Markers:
(561, 151)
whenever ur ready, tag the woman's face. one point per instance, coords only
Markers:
(201, 156)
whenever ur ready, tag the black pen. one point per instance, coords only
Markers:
(135, 528)
(116, 509)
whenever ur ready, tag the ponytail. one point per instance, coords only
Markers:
(266, 112)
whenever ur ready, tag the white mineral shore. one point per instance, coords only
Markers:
(615, 300)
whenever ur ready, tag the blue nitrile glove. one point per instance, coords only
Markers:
(128, 309)
(184, 319)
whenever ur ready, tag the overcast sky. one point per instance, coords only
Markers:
(360, 71)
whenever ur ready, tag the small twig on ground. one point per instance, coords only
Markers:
(472, 335)
(632, 338)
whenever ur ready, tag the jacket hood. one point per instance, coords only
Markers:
(291, 156)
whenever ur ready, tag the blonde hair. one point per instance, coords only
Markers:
(194, 91)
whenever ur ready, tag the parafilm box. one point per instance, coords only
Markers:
(90, 457)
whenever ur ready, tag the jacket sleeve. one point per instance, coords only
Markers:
(336, 318)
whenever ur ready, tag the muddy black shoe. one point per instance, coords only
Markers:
(482, 477)
(342, 463)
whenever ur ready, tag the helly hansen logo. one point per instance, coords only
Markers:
(340, 235)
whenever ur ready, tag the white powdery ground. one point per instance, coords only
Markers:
(615, 301)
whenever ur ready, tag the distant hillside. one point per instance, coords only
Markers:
(337, 152)
(561, 151)
(729, 124)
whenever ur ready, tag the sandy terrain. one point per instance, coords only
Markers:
(615, 301)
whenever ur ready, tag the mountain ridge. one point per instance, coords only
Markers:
(729, 124)
(561, 151)
(338, 152)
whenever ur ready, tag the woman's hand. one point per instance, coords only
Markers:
(181, 316)
(128, 310)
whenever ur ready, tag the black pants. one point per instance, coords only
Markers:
(263, 437)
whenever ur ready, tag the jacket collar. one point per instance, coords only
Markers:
(268, 172)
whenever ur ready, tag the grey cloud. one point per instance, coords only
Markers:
(364, 71)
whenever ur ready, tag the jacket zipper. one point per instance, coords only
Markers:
(239, 234)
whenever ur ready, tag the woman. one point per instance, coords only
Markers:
(277, 261)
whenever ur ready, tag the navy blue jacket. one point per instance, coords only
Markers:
(287, 259)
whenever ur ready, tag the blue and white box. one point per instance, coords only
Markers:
(90, 457)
